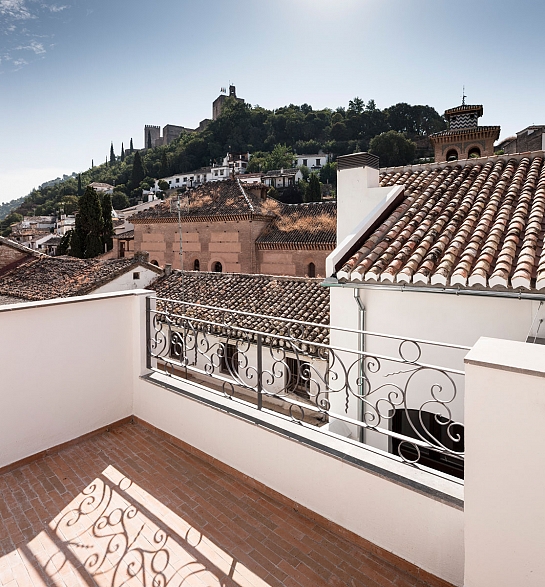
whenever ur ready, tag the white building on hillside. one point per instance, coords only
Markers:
(313, 162)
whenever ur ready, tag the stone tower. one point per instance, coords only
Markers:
(217, 105)
(154, 132)
(464, 138)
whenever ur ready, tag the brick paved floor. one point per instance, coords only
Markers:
(127, 508)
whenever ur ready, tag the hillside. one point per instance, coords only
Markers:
(241, 128)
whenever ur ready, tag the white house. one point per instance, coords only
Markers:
(314, 162)
(282, 178)
(438, 252)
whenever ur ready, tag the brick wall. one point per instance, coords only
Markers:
(294, 263)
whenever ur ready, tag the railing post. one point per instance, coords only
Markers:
(148, 332)
(259, 371)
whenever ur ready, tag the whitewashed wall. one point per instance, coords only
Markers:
(127, 281)
(74, 375)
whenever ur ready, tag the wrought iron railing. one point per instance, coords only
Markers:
(387, 391)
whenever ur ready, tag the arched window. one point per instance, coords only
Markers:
(217, 267)
(154, 262)
(452, 155)
(311, 270)
(474, 153)
(196, 265)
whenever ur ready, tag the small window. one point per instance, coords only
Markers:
(452, 155)
(221, 171)
(229, 359)
(474, 153)
(298, 376)
(216, 173)
(177, 180)
(196, 265)
(305, 162)
(136, 275)
(154, 262)
(317, 162)
(217, 267)
(311, 270)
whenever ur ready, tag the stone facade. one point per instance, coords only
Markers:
(294, 263)
(229, 242)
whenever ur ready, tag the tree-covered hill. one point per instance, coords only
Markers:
(242, 128)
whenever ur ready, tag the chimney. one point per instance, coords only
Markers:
(142, 256)
(361, 202)
(168, 270)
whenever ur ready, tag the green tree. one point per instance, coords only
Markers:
(314, 193)
(138, 171)
(120, 201)
(393, 148)
(112, 154)
(122, 153)
(64, 245)
(356, 105)
(131, 148)
(164, 164)
(108, 225)
(88, 233)
(328, 173)
(80, 191)
(163, 185)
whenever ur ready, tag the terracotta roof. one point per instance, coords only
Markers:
(492, 131)
(7, 300)
(227, 198)
(281, 172)
(60, 277)
(465, 108)
(19, 247)
(312, 225)
(477, 223)
(127, 235)
(298, 299)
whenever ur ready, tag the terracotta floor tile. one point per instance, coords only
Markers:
(128, 507)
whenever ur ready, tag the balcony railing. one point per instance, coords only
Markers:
(401, 396)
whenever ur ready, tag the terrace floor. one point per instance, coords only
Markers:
(128, 508)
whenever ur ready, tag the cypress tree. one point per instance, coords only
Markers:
(108, 225)
(149, 139)
(106, 163)
(122, 153)
(92, 163)
(138, 171)
(79, 186)
(164, 164)
(131, 149)
(314, 193)
(112, 154)
(87, 238)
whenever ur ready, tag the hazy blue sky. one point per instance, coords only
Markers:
(77, 74)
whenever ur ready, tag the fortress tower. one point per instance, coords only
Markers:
(154, 132)
(217, 105)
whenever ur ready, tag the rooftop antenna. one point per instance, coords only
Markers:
(464, 96)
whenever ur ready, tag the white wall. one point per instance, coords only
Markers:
(431, 316)
(75, 374)
(422, 530)
(505, 465)
(127, 282)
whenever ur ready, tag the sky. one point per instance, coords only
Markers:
(76, 75)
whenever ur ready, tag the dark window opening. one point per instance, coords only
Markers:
(298, 377)
(136, 275)
(474, 153)
(154, 262)
(196, 265)
(121, 249)
(229, 360)
(217, 267)
(438, 428)
(311, 270)
(452, 155)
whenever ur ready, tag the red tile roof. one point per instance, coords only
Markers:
(60, 277)
(474, 223)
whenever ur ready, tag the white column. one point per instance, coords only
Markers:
(505, 465)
